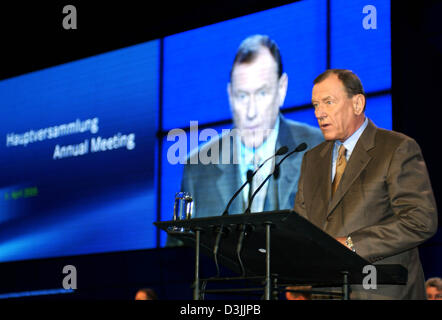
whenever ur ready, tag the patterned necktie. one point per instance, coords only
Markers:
(341, 163)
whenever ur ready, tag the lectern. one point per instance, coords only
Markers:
(277, 247)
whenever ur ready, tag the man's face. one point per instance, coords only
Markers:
(433, 294)
(338, 115)
(255, 95)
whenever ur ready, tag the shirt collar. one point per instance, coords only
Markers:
(350, 143)
(265, 150)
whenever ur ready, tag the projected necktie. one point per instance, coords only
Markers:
(341, 163)
(258, 201)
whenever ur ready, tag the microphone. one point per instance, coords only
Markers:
(281, 151)
(301, 147)
(250, 175)
(249, 179)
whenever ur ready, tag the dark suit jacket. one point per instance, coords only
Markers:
(212, 185)
(384, 202)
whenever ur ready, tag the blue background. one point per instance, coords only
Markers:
(97, 202)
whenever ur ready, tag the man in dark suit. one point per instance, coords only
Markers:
(365, 186)
(256, 91)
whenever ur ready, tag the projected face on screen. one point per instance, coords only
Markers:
(255, 94)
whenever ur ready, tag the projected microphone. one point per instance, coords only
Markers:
(301, 147)
(280, 152)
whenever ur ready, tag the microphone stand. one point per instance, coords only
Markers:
(250, 175)
(299, 148)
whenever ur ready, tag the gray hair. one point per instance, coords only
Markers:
(434, 282)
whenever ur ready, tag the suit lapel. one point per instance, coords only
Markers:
(228, 179)
(228, 182)
(322, 184)
(325, 171)
(356, 164)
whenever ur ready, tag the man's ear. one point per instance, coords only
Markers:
(358, 104)
(282, 88)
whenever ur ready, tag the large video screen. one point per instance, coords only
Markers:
(84, 165)
(78, 156)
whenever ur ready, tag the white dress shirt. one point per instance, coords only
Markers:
(247, 157)
(349, 145)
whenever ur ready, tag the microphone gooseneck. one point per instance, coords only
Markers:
(301, 147)
(249, 179)
(242, 235)
(281, 151)
(250, 174)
